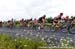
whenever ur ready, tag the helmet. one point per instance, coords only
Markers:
(61, 14)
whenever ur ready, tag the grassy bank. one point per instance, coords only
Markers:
(7, 42)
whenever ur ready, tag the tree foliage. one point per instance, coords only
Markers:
(49, 20)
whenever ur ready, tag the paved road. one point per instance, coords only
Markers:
(25, 32)
(32, 33)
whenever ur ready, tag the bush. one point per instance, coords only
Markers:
(49, 20)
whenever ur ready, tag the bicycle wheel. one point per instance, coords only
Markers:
(52, 29)
(64, 28)
(71, 29)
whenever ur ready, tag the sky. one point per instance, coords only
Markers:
(27, 9)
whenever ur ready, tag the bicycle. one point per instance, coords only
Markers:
(70, 28)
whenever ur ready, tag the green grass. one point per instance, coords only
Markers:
(7, 42)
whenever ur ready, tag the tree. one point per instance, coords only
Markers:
(49, 20)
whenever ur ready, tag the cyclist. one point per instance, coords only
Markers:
(35, 23)
(1, 23)
(57, 21)
(73, 22)
(41, 20)
(22, 23)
